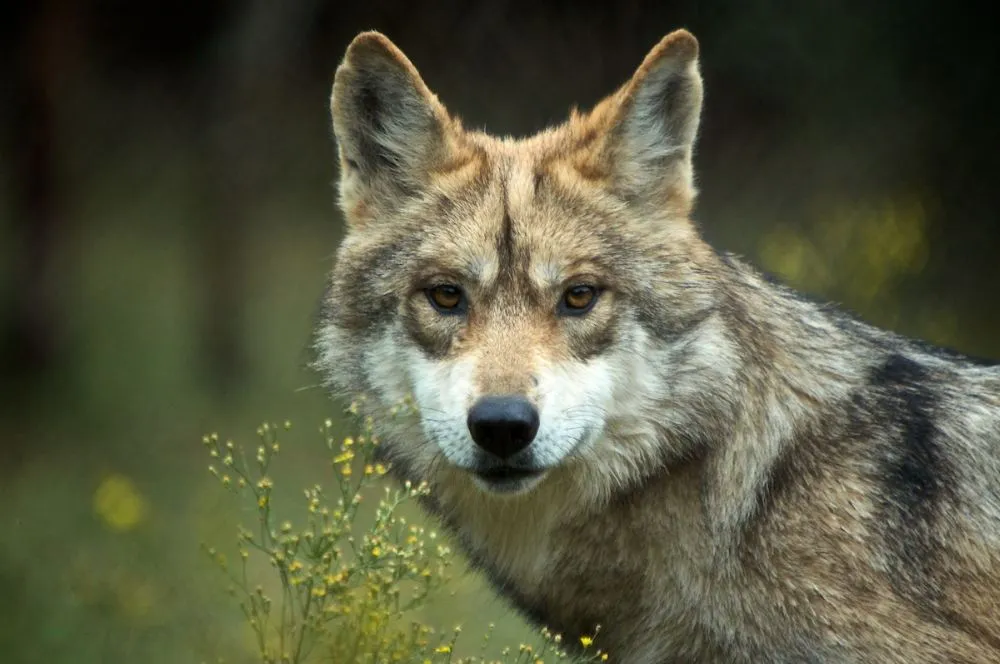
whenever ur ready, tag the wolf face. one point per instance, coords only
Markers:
(513, 287)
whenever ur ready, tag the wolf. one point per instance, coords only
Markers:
(629, 431)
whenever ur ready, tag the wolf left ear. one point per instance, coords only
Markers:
(388, 125)
(656, 123)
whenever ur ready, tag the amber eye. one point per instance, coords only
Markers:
(578, 300)
(447, 299)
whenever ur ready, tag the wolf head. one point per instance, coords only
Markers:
(537, 298)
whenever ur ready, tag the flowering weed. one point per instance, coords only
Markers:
(347, 587)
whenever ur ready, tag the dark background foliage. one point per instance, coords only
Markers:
(167, 218)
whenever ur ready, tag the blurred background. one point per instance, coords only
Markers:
(167, 219)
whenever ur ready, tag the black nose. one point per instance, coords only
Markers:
(503, 425)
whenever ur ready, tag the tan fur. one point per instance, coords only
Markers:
(730, 473)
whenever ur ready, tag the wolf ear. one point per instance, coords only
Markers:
(656, 122)
(388, 125)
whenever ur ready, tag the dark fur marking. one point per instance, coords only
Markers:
(629, 496)
(664, 317)
(434, 340)
(443, 208)
(366, 299)
(970, 627)
(783, 475)
(664, 322)
(513, 259)
(666, 97)
(366, 306)
(539, 179)
(372, 156)
(819, 449)
(915, 476)
(586, 346)
(788, 471)
(505, 239)
(505, 242)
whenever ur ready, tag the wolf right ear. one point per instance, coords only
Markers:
(656, 122)
(389, 127)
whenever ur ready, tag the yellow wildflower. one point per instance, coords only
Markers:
(119, 504)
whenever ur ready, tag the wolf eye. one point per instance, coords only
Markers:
(447, 299)
(578, 300)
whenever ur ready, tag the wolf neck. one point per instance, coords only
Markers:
(791, 367)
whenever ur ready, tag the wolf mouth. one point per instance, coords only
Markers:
(507, 479)
(507, 474)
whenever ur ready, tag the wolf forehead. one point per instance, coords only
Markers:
(482, 232)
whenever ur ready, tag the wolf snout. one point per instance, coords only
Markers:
(503, 425)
